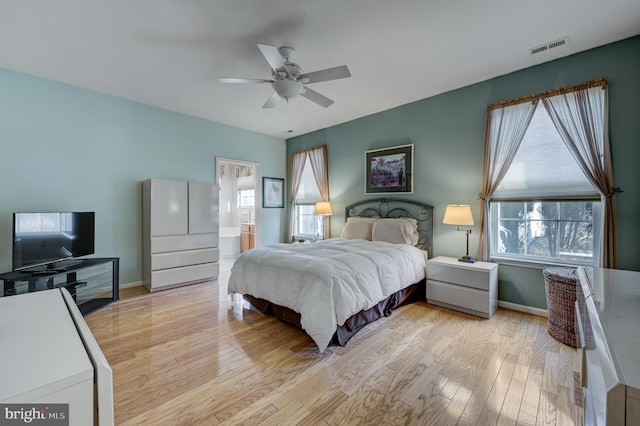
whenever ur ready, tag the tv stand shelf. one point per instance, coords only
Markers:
(93, 283)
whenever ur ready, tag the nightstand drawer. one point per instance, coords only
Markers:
(465, 298)
(467, 287)
(458, 275)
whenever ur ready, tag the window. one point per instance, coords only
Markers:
(545, 209)
(544, 231)
(306, 220)
(245, 198)
(550, 148)
(309, 184)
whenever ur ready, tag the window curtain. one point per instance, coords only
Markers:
(580, 116)
(298, 159)
(506, 126)
(318, 161)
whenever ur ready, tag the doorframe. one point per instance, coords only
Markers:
(258, 191)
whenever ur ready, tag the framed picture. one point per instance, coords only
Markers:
(389, 170)
(272, 192)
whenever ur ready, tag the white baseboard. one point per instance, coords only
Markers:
(523, 308)
(131, 284)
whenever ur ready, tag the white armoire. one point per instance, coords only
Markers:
(180, 233)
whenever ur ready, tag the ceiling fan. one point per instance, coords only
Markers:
(288, 78)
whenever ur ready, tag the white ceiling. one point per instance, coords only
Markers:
(170, 53)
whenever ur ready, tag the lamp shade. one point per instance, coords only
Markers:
(459, 215)
(323, 207)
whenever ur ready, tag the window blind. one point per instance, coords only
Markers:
(308, 192)
(543, 168)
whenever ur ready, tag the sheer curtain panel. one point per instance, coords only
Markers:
(318, 160)
(506, 126)
(298, 160)
(580, 116)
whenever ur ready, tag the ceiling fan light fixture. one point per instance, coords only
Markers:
(289, 78)
(287, 89)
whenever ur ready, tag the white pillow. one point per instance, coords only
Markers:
(357, 231)
(396, 231)
(362, 219)
(358, 228)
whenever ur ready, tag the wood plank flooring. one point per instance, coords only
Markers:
(196, 356)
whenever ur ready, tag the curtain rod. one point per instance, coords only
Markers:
(323, 147)
(553, 92)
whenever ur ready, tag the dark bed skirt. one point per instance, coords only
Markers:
(411, 294)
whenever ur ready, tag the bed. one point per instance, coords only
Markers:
(333, 288)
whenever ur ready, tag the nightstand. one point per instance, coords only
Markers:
(465, 287)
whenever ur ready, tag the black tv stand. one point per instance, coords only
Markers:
(62, 265)
(92, 282)
(45, 272)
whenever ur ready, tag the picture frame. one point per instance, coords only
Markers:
(272, 192)
(389, 170)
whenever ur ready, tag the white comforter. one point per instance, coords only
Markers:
(328, 281)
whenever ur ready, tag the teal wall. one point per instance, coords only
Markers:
(448, 133)
(63, 148)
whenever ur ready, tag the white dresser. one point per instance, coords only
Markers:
(608, 316)
(49, 356)
(465, 287)
(180, 233)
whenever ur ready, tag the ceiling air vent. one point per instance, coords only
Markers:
(550, 45)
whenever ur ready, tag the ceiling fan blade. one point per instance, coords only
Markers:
(316, 97)
(273, 56)
(272, 101)
(334, 73)
(243, 80)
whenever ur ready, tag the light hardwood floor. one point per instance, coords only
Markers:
(195, 356)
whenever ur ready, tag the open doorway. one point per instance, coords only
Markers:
(239, 206)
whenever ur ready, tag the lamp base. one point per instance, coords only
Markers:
(467, 258)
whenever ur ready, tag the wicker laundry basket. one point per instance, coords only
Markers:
(560, 287)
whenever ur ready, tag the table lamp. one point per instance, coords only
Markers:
(460, 215)
(323, 208)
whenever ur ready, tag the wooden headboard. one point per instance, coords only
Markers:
(395, 208)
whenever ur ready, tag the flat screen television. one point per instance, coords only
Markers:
(45, 238)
